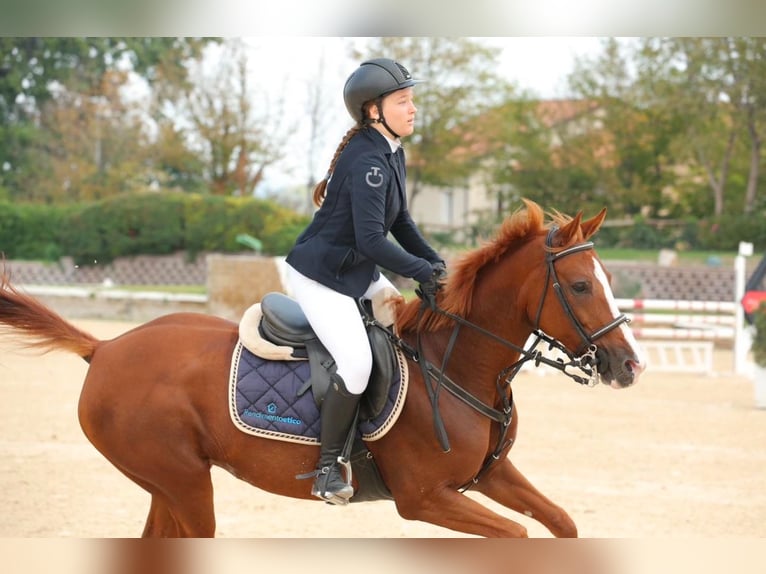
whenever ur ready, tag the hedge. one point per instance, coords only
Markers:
(144, 224)
(167, 222)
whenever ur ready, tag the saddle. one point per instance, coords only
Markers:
(284, 326)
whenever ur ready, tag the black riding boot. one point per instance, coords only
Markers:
(338, 414)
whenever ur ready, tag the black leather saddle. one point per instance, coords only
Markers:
(284, 323)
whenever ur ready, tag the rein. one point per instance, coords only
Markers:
(584, 361)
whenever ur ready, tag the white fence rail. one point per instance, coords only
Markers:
(680, 336)
(681, 320)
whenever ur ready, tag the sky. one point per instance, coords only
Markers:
(541, 63)
(533, 63)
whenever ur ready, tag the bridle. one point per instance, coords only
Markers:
(551, 275)
(581, 366)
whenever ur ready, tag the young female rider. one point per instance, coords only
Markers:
(335, 260)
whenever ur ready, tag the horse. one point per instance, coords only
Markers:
(154, 399)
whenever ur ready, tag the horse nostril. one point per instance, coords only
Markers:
(634, 367)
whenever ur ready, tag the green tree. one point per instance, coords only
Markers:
(692, 68)
(746, 65)
(638, 134)
(46, 80)
(94, 146)
(31, 68)
(550, 151)
(715, 86)
(238, 131)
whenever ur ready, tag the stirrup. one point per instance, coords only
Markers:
(332, 497)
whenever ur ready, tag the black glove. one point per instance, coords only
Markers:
(439, 269)
(427, 289)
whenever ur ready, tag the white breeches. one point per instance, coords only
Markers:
(336, 320)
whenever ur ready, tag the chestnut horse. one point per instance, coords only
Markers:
(165, 426)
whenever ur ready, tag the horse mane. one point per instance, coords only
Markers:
(457, 295)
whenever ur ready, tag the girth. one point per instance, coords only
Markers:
(284, 323)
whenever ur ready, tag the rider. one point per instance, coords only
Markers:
(335, 260)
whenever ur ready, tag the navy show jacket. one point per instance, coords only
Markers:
(365, 200)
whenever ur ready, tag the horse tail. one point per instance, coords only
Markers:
(46, 329)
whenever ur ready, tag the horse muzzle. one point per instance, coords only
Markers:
(620, 370)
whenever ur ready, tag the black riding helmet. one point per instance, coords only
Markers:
(372, 80)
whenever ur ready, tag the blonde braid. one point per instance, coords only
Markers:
(321, 188)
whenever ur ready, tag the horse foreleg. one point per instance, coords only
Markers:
(451, 509)
(506, 485)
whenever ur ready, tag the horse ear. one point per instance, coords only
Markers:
(593, 224)
(568, 233)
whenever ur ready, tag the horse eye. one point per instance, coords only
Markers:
(581, 287)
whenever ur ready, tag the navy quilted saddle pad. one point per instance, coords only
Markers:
(264, 401)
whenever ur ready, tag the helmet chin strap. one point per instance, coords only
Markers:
(383, 122)
(382, 119)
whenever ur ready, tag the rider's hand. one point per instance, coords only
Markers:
(427, 289)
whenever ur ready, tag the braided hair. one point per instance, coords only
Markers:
(320, 190)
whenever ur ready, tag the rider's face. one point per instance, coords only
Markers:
(399, 110)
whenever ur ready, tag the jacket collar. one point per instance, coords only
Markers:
(382, 142)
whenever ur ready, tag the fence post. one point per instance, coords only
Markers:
(742, 335)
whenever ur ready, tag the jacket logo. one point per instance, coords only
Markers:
(373, 177)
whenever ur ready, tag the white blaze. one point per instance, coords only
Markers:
(598, 271)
